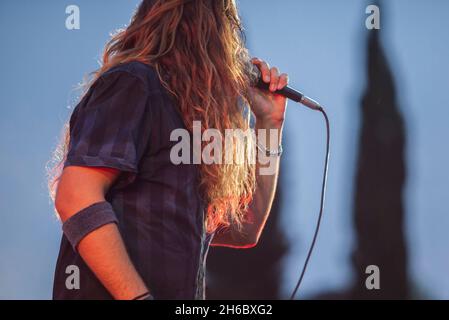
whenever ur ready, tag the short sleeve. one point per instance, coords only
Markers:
(111, 125)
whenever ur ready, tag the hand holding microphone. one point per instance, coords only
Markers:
(269, 108)
(262, 81)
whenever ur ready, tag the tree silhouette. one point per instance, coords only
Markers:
(378, 214)
(378, 210)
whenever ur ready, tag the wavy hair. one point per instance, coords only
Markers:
(198, 51)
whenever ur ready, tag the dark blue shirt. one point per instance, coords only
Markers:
(124, 122)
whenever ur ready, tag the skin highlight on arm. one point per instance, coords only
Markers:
(103, 249)
(269, 109)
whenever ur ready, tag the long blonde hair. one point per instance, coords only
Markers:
(198, 52)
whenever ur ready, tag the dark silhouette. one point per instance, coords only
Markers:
(380, 178)
(378, 210)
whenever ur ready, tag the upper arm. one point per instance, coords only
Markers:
(109, 133)
(80, 187)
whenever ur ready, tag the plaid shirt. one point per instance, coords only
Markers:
(124, 122)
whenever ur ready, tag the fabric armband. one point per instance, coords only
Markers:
(87, 220)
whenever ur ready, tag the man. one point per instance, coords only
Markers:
(137, 225)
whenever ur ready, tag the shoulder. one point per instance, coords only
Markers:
(134, 72)
(129, 85)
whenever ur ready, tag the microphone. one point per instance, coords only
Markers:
(292, 94)
(255, 79)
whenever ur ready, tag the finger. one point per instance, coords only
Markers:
(274, 74)
(264, 69)
(283, 81)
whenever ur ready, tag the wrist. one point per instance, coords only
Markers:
(145, 296)
(263, 123)
(272, 133)
(135, 289)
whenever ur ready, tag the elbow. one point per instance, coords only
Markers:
(248, 241)
(244, 236)
(249, 245)
(61, 205)
(236, 240)
(66, 202)
(252, 241)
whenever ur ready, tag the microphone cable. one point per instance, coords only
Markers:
(323, 192)
(299, 97)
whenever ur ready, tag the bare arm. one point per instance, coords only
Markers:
(103, 249)
(269, 109)
(259, 210)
